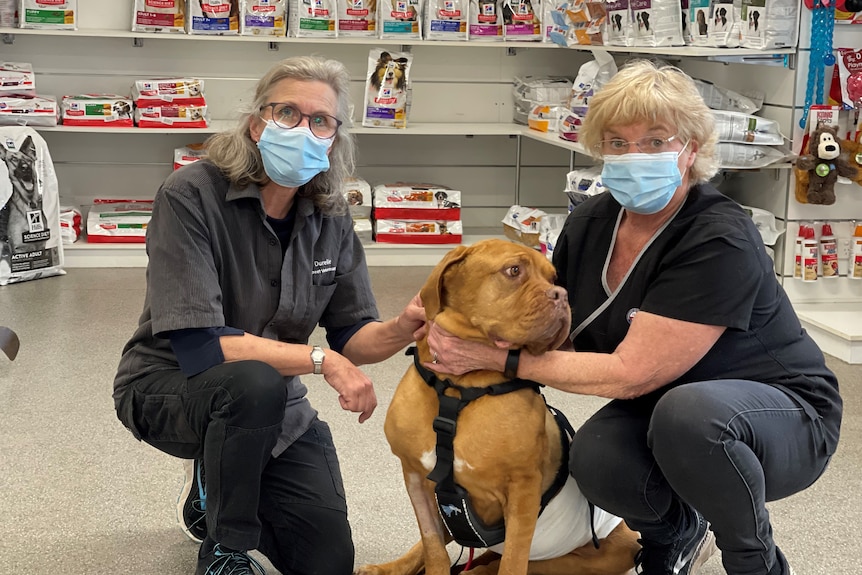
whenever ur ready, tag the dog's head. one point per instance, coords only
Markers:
(21, 165)
(389, 71)
(354, 198)
(500, 293)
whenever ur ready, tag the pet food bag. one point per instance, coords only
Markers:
(620, 30)
(529, 91)
(521, 224)
(414, 201)
(31, 245)
(189, 154)
(168, 92)
(48, 14)
(8, 13)
(748, 156)
(583, 183)
(357, 193)
(70, 224)
(400, 18)
(97, 110)
(263, 18)
(486, 21)
(698, 15)
(686, 29)
(417, 232)
(592, 76)
(387, 89)
(159, 16)
(719, 98)
(119, 221)
(657, 23)
(215, 17)
(28, 111)
(17, 78)
(175, 116)
(723, 26)
(576, 22)
(446, 20)
(769, 24)
(357, 18)
(522, 20)
(313, 19)
(745, 129)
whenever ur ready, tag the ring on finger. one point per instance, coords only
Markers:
(434, 357)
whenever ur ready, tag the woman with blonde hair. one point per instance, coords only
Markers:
(249, 250)
(720, 401)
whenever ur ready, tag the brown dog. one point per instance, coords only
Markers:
(507, 448)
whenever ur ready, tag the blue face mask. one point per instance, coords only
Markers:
(292, 157)
(642, 183)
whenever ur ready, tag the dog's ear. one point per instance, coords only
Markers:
(28, 148)
(432, 291)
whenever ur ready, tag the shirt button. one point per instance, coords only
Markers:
(274, 283)
(272, 242)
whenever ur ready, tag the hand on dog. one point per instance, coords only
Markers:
(412, 320)
(458, 356)
(355, 390)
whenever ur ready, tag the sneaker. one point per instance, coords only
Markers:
(223, 561)
(683, 557)
(192, 502)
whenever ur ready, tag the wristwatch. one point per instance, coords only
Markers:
(317, 357)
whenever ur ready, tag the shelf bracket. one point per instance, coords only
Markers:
(8, 38)
(407, 48)
(273, 47)
(138, 42)
(511, 51)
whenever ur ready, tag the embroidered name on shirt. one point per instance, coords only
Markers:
(322, 266)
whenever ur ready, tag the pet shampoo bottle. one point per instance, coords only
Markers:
(828, 253)
(856, 255)
(810, 261)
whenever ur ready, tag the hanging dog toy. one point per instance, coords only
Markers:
(822, 27)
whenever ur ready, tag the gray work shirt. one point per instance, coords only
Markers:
(214, 261)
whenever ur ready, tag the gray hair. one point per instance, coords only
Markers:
(236, 154)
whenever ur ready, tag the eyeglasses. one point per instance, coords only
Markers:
(646, 145)
(287, 117)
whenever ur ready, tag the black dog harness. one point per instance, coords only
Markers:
(457, 512)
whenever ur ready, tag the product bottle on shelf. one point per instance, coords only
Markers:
(810, 261)
(797, 268)
(828, 253)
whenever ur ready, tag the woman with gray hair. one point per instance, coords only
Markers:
(249, 250)
(720, 401)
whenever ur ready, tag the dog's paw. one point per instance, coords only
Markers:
(368, 570)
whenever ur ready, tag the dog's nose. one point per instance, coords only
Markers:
(557, 293)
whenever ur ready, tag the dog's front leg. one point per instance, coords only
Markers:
(521, 513)
(421, 492)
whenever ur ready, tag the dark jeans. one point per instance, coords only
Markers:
(722, 447)
(292, 508)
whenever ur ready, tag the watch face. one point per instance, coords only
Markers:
(317, 355)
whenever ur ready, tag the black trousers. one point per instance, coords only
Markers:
(723, 447)
(291, 508)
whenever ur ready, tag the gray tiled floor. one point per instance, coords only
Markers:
(78, 495)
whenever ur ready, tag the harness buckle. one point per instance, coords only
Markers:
(444, 425)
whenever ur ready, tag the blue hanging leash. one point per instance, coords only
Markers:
(822, 27)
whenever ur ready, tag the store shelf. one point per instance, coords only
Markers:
(84, 255)
(688, 51)
(835, 327)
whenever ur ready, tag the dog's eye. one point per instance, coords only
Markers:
(513, 271)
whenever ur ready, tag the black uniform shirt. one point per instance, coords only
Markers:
(707, 265)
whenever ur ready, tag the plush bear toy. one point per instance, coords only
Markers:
(823, 164)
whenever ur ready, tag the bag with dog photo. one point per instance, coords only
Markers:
(400, 18)
(522, 20)
(31, 245)
(446, 20)
(357, 18)
(313, 19)
(486, 21)
(387, 89)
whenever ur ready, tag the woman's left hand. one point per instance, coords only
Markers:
(458, 356)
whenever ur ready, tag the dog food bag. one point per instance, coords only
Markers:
(357, 18)
(723, 26)
(70, 224)
(218, 17)
(742, 156)
(364, 230)
(31, 246)
(521, 224)
(399, 18)
(415, 201)
(686, 28)
(522, 20)
(178, 116)
(544, 118)
(357, 192)
(8, 13)
(581, 184)
(745, 129)
(698, 14)
(446, 20)
(48, 14)
(263, 18)
(159, 16)
(769, 24)
(529, 91)
(657, 22)
(97, 110)
(119, 221)
(168, 92)
(28, 111)
(486, 21)
(387, 89)
(719, 98)
(417, 232)
(313, 19)
(189, 154)
(620, 27)
(17, 78)
(591, 77)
